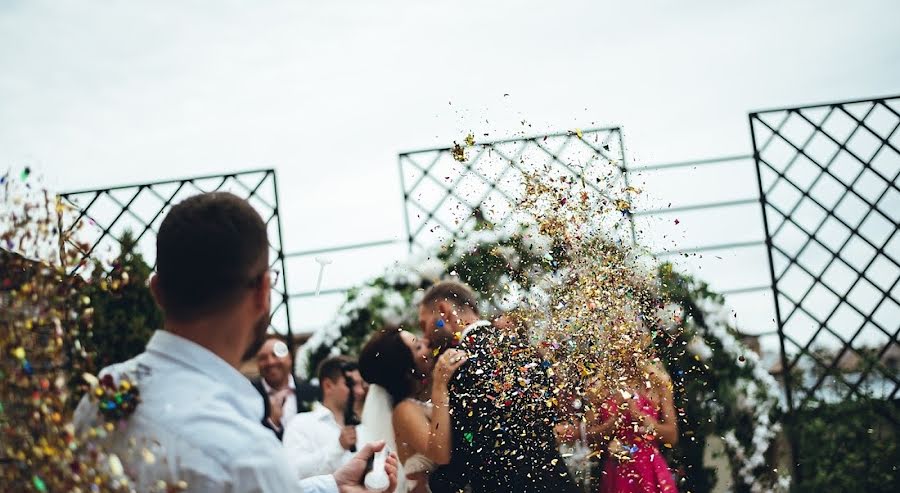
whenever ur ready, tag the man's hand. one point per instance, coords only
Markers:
(349, 477)
(348, 437)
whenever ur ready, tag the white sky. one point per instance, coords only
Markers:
(96, 93)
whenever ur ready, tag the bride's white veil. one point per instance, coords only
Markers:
(378, 424)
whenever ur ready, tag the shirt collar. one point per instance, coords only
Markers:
(322, 413)
(472, 326)
(189, 354)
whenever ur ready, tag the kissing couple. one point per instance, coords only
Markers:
(487, 427)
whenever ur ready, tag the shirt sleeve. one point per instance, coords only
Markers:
(85, 416)
(269, 472)
(319, 484)
(309, 454)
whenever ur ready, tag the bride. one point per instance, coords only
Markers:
(397, 365)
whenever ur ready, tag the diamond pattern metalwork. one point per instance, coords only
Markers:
(106, 213)
(443, 196)
(828, 179)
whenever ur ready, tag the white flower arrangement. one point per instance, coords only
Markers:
(758, 396)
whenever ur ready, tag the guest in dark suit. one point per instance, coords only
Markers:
(503, 437)
(283, 395)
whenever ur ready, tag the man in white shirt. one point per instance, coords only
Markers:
(281, 395)
(321, 441)
(198, 419)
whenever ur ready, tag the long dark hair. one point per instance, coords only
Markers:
(387, 361)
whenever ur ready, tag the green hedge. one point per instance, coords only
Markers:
(849, 446)
(124, 313)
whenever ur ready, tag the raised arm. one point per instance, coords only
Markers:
(431, 439)
(666, 427)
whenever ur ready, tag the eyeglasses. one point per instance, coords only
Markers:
(273, 276)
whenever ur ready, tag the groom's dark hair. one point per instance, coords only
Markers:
(454, 292)
(210, 248)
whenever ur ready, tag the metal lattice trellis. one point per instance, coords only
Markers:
(105, 214)
(828, 180)
(443, 196)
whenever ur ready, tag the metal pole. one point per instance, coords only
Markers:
(791, 433)
(285, 299)
(624, 169)
(409, 237)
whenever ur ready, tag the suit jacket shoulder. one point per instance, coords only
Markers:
(267, 408)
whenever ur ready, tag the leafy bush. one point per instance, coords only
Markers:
(847, 446)
(124, 313)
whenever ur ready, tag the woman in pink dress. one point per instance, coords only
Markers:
(634, 422)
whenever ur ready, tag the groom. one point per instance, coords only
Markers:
(502, 423)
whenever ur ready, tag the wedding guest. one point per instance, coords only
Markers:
(283, 394)
(634, 420)
(321, 441)
(399, 366)
(502, 428)
(197, 422)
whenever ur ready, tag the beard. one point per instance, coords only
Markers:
(443, 339)
(260, 328)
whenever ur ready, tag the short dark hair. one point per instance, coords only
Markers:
(455, 292)
(387, 361)
(335, 367)
(209, 249)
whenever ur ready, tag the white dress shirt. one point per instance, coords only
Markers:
(312, 443)
(289, 410)
(199, 422)
(472, 326)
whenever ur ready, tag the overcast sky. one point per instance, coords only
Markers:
(96, 93)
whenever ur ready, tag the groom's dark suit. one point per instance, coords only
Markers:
(502, 426)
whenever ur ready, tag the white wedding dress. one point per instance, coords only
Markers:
(377, 424)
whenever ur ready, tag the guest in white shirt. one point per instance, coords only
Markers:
(198, 419)
(320, 441)
(276, 384)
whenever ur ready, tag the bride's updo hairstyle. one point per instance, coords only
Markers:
(387, 361)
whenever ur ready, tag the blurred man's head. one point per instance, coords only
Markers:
(274, 362)
(212, 266)
(332, 374)
(445, 310)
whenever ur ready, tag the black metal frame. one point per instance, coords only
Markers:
(410, 161)
(251, 185)
(774, 127)
(432, 157)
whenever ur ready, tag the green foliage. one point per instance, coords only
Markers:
(698, 382)
(849, 446)
(124, 313)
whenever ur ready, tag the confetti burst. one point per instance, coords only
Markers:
(43, 317)
(595, 327)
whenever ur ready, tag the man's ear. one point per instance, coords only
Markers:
(262, 294)
(444, 309)
(154, 290)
